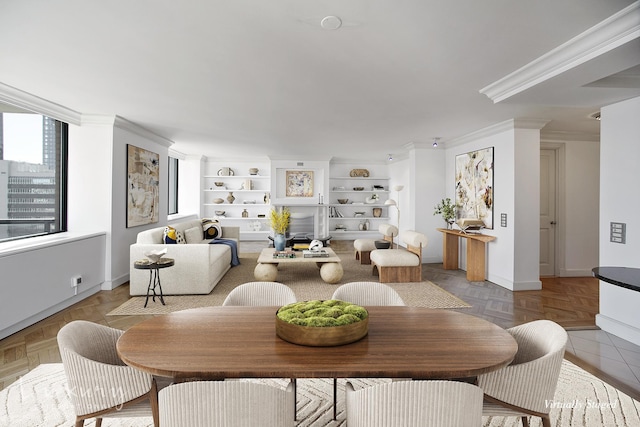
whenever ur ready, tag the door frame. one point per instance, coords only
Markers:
(560, 214)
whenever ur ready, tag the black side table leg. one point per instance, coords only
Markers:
(160, 296)
(150, 287)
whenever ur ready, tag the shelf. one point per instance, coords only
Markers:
(363, 205)
(359, 191)
(360, 178)
(237, 176)
(359, 217)
(245, 205)
(237, 191)
(239, 218)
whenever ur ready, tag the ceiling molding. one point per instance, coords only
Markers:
(140, 131)
(560, 136)
(609, 34)
(507, 125)
(97, 120)
(16, 97)
(177, 154)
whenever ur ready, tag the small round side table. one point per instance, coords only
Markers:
(154, 277)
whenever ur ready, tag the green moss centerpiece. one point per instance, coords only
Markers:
(322, 323)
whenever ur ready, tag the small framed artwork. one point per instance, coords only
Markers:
(474, 186)
(143, 183)
(299, 184)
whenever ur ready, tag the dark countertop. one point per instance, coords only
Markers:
(620, 276)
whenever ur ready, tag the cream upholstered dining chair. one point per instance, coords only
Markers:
(100, 384)
(523, 387)
(368, 293)
(260, 294)
(364, 293)
(225, 404)
(415, 403)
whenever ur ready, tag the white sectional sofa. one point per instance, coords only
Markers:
(198, 268)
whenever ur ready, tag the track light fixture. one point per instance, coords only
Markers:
(435, 142)
(390, 158)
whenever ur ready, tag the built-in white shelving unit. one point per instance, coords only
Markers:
(347, 220)
(251, 195)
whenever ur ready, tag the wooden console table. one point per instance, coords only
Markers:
(476, 252)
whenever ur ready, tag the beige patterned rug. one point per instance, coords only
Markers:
(303, 279)
(41, 398)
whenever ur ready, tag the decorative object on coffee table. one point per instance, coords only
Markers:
(279, 222)
(382, 244)
(322, 323)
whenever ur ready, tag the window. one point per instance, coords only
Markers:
(173, 185)
(33, 166)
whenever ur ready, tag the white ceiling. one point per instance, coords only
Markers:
(262, 78)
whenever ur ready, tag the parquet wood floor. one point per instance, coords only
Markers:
(572, 302)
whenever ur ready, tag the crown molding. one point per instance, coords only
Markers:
(140, 131)
(560, 136)
(505, 126)
(18, 98)
(603, 37)
(97, 120)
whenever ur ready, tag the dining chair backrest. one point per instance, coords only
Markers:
(415, 404)
(225, 404)
(368, 293)
(530, 381)
(102, 384)
(260, 294)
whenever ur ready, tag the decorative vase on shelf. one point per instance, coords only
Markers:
(279, 242)
(230, 197)
(245, 214)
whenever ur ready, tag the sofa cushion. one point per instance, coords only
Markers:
(172, 236)
(211, 228)
(193, 235)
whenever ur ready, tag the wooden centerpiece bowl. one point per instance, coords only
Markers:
(322, 323)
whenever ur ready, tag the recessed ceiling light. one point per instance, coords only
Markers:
(595, 116)
(331, 22)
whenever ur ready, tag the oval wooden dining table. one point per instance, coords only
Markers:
(215, 343)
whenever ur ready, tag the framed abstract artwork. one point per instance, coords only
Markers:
(474, 186)
(143, 198)
(299, 184)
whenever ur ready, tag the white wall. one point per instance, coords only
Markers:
(425, 190)
(510, 263)
(36, 279)
(122, 237)
(619, 202)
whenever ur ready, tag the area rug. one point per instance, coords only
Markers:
(303, 279)
(41, 398)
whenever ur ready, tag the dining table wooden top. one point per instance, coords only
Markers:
(241, 342)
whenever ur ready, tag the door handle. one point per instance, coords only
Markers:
(552, 223)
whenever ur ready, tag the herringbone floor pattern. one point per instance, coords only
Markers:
(572, 302)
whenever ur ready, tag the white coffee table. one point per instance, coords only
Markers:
(267, 268)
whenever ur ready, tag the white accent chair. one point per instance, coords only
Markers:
(368, 293)
(400, 265)
(225, 404)
(363, 247)
(415, 404)
(523, 387)
(100, 384)
(260, 294)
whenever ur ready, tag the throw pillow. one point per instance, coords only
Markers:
(172, 236)
(193, 235)
(211, 228)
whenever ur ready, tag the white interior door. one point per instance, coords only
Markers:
(548, 178)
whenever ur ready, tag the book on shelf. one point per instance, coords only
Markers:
(315, 254)
(287, 253)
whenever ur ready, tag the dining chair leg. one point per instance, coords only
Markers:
(335, 399)
(295, 398)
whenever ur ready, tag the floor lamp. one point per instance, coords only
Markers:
(391, 202)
